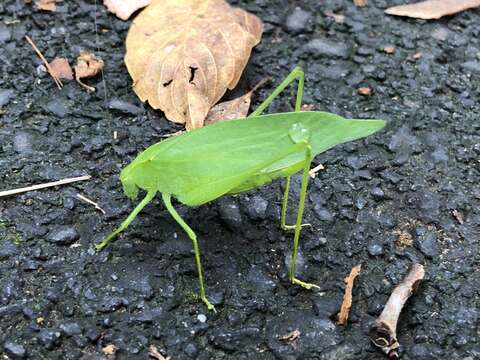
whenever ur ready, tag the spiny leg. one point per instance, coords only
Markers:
(284, 208)
(191, 234)
(150, 195)
(296, 237)
(296, 73)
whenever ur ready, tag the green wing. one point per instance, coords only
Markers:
(206, 163)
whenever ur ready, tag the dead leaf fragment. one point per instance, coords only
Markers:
(308, 107)
(365, 91)
(47, 5)
(432, 9)
(154, 353)
(360, 3)
(88, 65)
(291, 336)
(110, 351)
(61, 69)
(339, 18)
(233, 109)
(342, 318)
(389, 49)
(184, 54)
(123, 9)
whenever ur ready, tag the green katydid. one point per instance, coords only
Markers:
(235, 156)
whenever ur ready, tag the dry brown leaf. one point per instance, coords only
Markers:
(110, 351)
(347, 298)
(123, 9)
(61, 69)
(432, 9)
(47, 5)
(154, 353)
(233, 109)
(184, 54)
(88, 65)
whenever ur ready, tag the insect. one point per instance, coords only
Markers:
(231, 157)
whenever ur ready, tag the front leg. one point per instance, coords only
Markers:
(191, 234)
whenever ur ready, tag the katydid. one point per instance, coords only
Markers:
(235, 156)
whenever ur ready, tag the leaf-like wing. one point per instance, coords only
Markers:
(204, 164)
(184, 54)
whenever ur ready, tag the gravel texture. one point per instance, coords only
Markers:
(411, 193)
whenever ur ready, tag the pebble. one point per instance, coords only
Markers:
(63, 235)
(70, 329)
(427, 244)
(231, 340)
(440, 33)
(326, 48)
(7, 249)
(375, 248)
(402, 143)
(5, 33)
(15, 350)
(49, 338)
(429, 204)
(472, 67)
(326, 306)
(378, 193)
(257, 208)
(297, 21)
(191, 349)
(57, 108)
(202, 318)
(5, 96)
(125, 107)
(230, 212)
(22, 142)
(323, 213)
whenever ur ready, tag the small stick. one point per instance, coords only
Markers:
(47, 65)
(313, 172)
(91, 202)
(347, 298)
(43, 186)
(384, 332)
(154, 353)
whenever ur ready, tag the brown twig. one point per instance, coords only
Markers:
(384, 332)
(58, 82)
(347, 298)
(43, 186)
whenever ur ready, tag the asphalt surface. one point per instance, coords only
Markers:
(408, 194)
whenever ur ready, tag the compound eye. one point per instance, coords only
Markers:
(299, 133)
